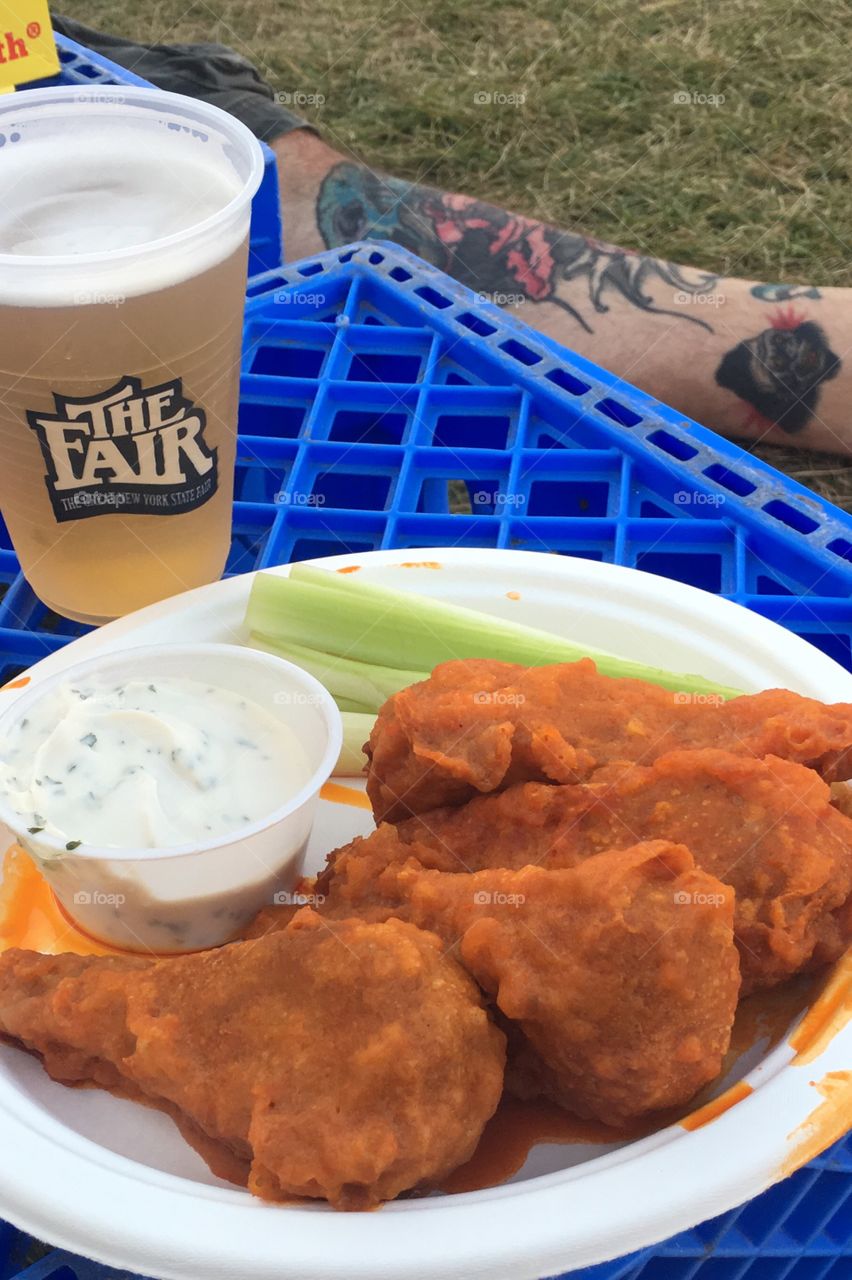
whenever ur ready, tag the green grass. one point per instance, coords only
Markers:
(758, 185)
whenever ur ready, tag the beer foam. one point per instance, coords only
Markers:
(110, 188)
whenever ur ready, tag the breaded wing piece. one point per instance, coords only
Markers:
(476, 727)
(765, 827)
(344, 1060)
(351, 883)
(621, 973)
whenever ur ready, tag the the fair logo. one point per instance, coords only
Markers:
(129, 450)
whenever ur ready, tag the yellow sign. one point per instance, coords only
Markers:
(27, 47)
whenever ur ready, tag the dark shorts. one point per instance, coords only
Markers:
(211, 72)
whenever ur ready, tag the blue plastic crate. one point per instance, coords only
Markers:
(374, 387)
(372, 383)
(82, 66)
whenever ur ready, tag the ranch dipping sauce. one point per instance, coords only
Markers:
(147, 764)
(167, 792)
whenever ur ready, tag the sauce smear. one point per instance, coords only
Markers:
(517, 1127)
(30, 917)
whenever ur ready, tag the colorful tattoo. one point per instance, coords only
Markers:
(486, 248)
(780, 372)
(784, 292)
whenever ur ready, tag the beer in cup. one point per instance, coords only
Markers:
(124, 224)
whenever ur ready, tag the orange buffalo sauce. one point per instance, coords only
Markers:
(767, 1015)
(717, 1106)
(829, 1013)
(20, 682)
(336, 793)
(828, 1121)
(30, 916)
(516, 1127)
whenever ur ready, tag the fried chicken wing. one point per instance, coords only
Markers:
(621, 972)
(477, 727)
(344, 1060)
(765, 827)
(350, 884)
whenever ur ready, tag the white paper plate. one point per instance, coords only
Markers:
(115, 1181)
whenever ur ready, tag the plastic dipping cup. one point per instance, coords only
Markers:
(123, 249)
(193, 896)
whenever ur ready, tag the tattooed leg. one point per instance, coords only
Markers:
(781, 371)
(496, 252)
(717, 348)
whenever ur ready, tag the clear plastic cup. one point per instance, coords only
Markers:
(197, 895)
(123, 245)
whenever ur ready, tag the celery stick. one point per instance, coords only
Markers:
(356, 730)
(349, 704)
(359, 683)
(315, 577)
(355, 619)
